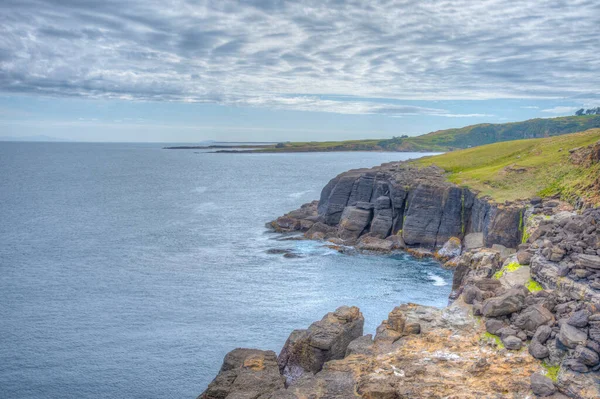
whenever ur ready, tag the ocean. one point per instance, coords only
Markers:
(129, 271)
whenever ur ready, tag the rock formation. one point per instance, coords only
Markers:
(416, 204)
(525, 313)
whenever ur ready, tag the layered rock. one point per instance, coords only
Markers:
(417, 204)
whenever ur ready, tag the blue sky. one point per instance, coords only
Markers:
(274, 70)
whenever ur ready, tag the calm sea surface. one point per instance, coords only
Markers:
(128, 271)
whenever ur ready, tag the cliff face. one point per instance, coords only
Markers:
(526, 275)
(417, 204)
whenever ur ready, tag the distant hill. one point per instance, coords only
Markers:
(443, 140)
(487, 133)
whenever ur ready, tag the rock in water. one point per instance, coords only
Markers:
(542, 385)
(324, 340)
(245, 373)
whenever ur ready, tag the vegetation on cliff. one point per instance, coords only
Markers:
(562, 165)
(442, 140)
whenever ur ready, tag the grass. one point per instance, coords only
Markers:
(551, 371)
(511, 267)
(491, 337)
(521, 169)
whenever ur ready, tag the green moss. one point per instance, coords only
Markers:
(534, 286)
(511, 267)
(491, 337)
(551, 371)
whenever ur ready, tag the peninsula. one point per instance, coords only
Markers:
(439, 141)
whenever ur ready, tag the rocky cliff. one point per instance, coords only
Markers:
(415, 204)
(525, 314)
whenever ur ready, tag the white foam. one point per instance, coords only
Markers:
(437, 280)
(299, 194)
(200, 190)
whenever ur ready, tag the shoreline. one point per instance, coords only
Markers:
(508, 293)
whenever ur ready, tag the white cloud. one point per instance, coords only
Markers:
(287, 54)
(561, 110)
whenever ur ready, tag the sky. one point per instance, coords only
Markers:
(277, 70)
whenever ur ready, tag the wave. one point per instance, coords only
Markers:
(200, 189)
(299, 194)
(437, 280)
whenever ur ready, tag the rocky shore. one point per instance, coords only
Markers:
(524, 313)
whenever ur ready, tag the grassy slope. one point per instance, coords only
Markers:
(523, 168)
(476, 135)
(452, 139)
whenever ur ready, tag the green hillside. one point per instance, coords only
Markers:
(445, 140)
(521, 169)
(487, 133)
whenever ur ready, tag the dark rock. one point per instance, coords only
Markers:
(533, 317)
(579, 318)
(494, 325)
(588, 261)
(324, 340)
(570, 336)
(353, 222)
(542, 334)
(365, 205)
(472, 294)
(575, 365)
(538, 350)
(512, 301)
(586, 356)
(542, 385)
(512, 343)
(247, 373)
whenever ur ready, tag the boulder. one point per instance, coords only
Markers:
(542, 334)
(579, 319)
(586, 356)
(533, 317)
(324, 340)
(538, 350)
(542, 385)
(451, 248)
(524, 257)
(494, 325)
(512, 343)
(368, 243)
(571, 336)
(510, 302)
(472, 294)
(473, 241)
(246, 373)
(397, 242)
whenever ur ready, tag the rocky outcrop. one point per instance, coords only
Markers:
(246, 373)
(325, 340)
(417, 204)
(526, 293)
(431, 353)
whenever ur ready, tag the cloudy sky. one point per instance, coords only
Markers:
(191, 70)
